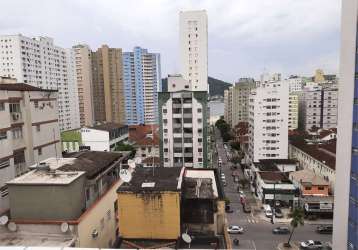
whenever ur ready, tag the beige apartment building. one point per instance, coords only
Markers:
(108, 89)
(29, 130)
(293, 104)
(83, 65)
(228, 105)
(240, 100)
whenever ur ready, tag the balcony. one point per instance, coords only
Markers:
(176, 105)
(188, 115)
(188, 135)
(177, 135)
(18, 143)
(188, 125)
(177, 115)
(16, 117)
(188, 154)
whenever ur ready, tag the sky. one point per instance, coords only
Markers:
(246, 37)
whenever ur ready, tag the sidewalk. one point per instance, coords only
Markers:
(294, 246)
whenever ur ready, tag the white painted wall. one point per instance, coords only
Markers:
(98, 140)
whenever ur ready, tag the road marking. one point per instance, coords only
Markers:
(253, 243)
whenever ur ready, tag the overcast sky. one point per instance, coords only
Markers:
(246, 37)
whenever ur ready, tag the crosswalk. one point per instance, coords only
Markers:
(252, 220)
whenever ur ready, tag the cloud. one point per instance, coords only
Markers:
(245, 36)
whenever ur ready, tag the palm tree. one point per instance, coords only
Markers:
(297, 220)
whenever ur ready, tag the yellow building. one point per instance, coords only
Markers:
(149, 208)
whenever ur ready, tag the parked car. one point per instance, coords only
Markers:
(324, 229)
(278, 213)
(311, 244)
(235, 229)
(246, 208)
(281, 230)
(267, 210)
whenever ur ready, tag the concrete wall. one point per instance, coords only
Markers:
(98, 140)
(47, 202)
(150, 215)
(101, 217)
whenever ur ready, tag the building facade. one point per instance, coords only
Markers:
(345, 219)
(193, 43)
(228, 105)
(293, 104)
(29, 131)
(108, 88)
(268, 121)
(183, 125)
(40, 63)
(318, 108)
(240, 100)
(142, 78)
(83, 66)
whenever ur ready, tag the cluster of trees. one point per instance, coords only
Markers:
(125, 147)
(224, 129)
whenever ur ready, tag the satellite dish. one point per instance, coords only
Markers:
(131, 163)
(186, 238)
(12, 226)
(4, 220)
(125, 175)
(64, 227)
(138, 160)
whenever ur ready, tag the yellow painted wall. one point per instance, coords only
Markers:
(93, 219)
(149, 216)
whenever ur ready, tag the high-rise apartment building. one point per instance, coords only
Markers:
(83, 66)
(108, 89)
(268, 121)
(345, 229)
(318, 108)
(293, 104)
(142, 78)
(183, 109)
(40, 63)
(295, 83)
(183, 125)
(228, 105)
(29, 130)
(193, 42)
(240, 100)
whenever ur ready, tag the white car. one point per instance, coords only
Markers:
(311, 244)
(235, 230)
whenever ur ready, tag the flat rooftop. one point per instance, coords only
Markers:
(205, 184)
(149, 179)
(42, 176)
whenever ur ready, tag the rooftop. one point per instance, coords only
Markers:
(276, 177)
(22, 87)
(93, 162)
(144, 134)
(321, 152)
(153, 179)
(44, 177)
(200, 184)
(109, 126)
(307, 176)
(154, 159)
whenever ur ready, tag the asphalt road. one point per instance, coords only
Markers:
(257, 232)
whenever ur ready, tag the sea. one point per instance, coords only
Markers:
(216, 110)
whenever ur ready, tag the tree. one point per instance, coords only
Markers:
(243, 182)
(125, 147)
(297, 220)
(235, 160)
(235, 145)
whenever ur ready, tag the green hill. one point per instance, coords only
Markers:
(216, 86)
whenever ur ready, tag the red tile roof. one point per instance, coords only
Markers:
(143, 134)
(319, 152)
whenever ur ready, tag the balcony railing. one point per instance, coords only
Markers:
(15, 117)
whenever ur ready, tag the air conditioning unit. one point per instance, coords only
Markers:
(15, 116)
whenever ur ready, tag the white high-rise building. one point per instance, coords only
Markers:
(193, 35)
(40, 63)
(183, 110)
(345, 221)
(268, 121)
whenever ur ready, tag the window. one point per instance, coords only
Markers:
(165, 121)
(39, 151)
(200, 120)
(308, 188)
(87, 194)
(165, 130)
(200, 159)
(320, 188)
(199, 110)
(200, 150)
(200, 130)
(38, 128)
(166, 150)
(200, 139)
(3, 135)
(14, 107)
(166, 160)
(2, 106)
(17, 133)
(164, 111)
(36, 103)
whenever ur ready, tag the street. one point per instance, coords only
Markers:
(257, 232)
